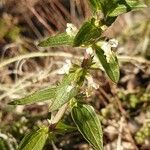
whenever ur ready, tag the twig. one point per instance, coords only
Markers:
(59, 114)
(41, 20)
(66, 55)
(37, 54)
(119, 145)
(133, 58)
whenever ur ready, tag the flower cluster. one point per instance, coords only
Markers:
(65, 68)
(71, 29)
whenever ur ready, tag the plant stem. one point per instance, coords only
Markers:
(58, 116)
(63, 109)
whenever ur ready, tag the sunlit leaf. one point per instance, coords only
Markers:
(126, 6)
(113, 8)
(88, 124)
(67, 89)
(59, 95)
(38, 96)
(34, 140)
(87, 34)
(57, 40)
(111, 68)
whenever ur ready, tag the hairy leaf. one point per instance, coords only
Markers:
(87, 34)
(60, 94)
(58, 40)
(34, 140)
(67, 89)
(112, 8)
(111, 68)
(88, 124)
(38, 96)
(124, 6)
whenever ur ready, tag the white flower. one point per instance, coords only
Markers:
(91, 82)
(4, 136)
(89, 51)
(65, 68)
(113, 43)
(107, 46)
(71, 29)
(107, 51)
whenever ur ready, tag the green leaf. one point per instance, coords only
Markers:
(112, 8)
(63, 128)
(38, 96)
(87, 34)
(95, 5)
(88, 124)
(58, 40)
(34, 140)
(63, 95)
(60, 94)
(124, 6)
(68, 88)
(111, 68)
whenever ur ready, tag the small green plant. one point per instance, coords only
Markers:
(68, 94)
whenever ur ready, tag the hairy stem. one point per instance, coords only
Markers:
(58, 115)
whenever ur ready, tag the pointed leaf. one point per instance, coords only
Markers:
(67, 89)
(111, 68)
(111, 9)
(38, 96)
(87, 34)
(126, 6)
(88, 124)
(34, 140)
(58, 40)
